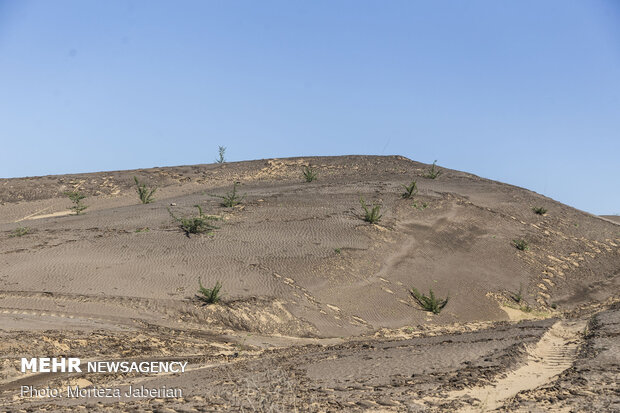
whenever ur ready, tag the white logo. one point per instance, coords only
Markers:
(51, 365)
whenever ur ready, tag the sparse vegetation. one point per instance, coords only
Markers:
(539, 210)
(231, 199)
(19, 232)
(209, 295)
(145, 229)
(419, 207)
(371, 213)
(526, 308)
(337, 250)
(433, 172)
(586, 331)
(411, 190)
(195, 225)
(521, 244)
(221, 152)
(144, 192)
(518, 296)
(430, 302)
(76, 197)
(309, 173)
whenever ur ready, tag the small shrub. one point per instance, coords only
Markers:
(371, 214)
(231, 199)
(521, 244)
(210, 295)
(144, 192)
(433, 172)
(586, 332)
(145, 229)
(430, 302)
(19, 232)
(411, 190)
(221, 153)
(419, 207)
(337, 250)
(309, 173)
(76, 197)
(518, 296)
(195, 225)
(539, 210)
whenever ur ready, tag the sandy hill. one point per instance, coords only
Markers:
(301, 250)
(295, 258)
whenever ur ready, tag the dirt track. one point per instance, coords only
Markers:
(317, 313)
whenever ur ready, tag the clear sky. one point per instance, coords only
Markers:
(524, 92)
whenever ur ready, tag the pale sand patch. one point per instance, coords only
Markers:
(54, 214)
(554, 353)
(80, 382)
(516, 314)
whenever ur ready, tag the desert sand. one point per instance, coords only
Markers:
(316, 313)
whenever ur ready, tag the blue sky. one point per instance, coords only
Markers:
(524, 92)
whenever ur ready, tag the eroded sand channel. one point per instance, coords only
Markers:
(550, 356)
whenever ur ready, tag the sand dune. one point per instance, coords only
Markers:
(311, 291)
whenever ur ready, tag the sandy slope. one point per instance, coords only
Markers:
(551, 355)
(614, 218)
(298, 264)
